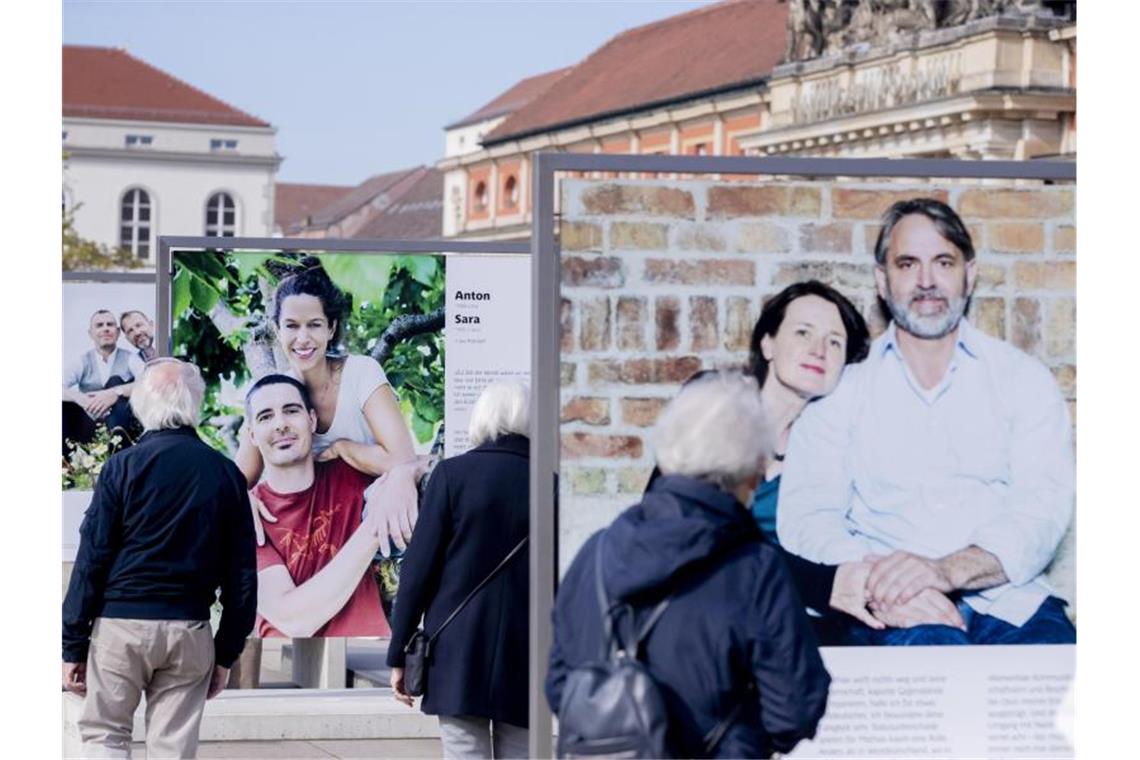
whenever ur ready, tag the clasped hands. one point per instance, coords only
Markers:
(898, 590)
(98, 403)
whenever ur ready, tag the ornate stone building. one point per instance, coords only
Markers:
(978, 79)
(971, 79)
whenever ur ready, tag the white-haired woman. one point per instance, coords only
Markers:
(475, 512)
(732, 649)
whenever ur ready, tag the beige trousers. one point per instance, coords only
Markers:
(170, 661)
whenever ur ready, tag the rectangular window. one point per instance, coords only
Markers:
(217, 143)
(139, 141)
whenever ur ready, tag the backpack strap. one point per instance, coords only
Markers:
(603, 600)
(649, 622)
(608, 607)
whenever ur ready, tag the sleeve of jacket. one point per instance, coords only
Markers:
(813, 580)
(239, 574)
(422, 566)
(790, 677)
(561, 620)
(100, 537)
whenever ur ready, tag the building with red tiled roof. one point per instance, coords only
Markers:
(518, 96)
(718, 48)
(773, 77)
(295, 203)
(417, 214)
(690, 83)
(110, 83)
(147, 154)
(405, 204)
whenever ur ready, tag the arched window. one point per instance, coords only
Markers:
(481, 196)
(221, 216)
(511, 192)
(134, 222)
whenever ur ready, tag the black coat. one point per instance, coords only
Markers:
(734, 620)
(476, 509)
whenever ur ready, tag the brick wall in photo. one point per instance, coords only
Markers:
(661, 278)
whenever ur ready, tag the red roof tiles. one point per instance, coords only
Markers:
(392, 185)
(515, 98)
(415, 215)
(295, 203)
(726, 45)
(110, 83)
(401, 205)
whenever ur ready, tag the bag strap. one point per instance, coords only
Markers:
(713, 737)
(606, 608)
(477, 589)
(603, 599)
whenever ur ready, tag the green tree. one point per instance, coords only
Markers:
(221, 323)
(80, 255)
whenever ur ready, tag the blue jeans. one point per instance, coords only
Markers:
(1049, 625)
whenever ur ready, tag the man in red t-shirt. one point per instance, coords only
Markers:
(312, 572)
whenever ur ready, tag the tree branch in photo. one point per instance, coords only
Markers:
(403, 328)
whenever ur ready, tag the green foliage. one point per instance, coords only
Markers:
(415, 368)
(208, 285)
(81, 255)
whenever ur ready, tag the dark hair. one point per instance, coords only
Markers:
(947, 221)
(312, 280)
(129, 312)
(277, 379)
(772, 316)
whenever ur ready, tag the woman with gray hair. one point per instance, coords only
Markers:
(472, 527)
(736, 661)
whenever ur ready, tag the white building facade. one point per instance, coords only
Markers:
(198, 167)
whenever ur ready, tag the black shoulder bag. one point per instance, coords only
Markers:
(417, 653)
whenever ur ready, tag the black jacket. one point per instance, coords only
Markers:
(734, 620)
(813, 580)
(476, 509)
(168, 524)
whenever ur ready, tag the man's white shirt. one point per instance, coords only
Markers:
(985, 458)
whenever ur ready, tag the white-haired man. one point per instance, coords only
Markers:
(945, 456)
(732, 651)
(168, 525)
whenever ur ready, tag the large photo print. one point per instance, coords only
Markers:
(913, 347)
(324, 379)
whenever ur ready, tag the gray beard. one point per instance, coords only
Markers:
(928, 327)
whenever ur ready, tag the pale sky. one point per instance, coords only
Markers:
(357, 89)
